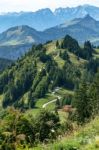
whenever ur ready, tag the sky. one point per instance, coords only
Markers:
(33, 5)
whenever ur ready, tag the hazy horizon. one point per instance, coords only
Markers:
(34, 5)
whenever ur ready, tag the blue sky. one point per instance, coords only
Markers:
(33, 5)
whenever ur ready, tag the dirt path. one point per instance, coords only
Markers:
(44, 106)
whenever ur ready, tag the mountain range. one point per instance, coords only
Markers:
(45, 18)
(81, 29)
(17, 40)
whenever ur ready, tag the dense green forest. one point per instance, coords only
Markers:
(62, 65)
(5, 63)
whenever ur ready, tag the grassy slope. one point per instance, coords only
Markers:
(40, 103)
(85, 138)
(97, 53)
(51, 49)
(49, 97)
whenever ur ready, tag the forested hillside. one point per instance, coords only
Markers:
(62, 65)
(41, 70)
(5, 63)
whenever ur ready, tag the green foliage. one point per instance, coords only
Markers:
(37, 73)
(47, 125)
(67, 100)
(87, 100)
(58, 104)
(70, 43)
(5, 63)
(73, 46)
(31, 100)
(17, 129)
(82, 103)
(93, 65)
(94, 95)
(64, 55)
(57, 44)
(41, 88)
(82, 139)
(70, 75)
(88, 49)
(44, 58)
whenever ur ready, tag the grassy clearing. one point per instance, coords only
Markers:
(44, 100)
(97, 51)
(62, 92)
(39, 104)
(51, 106)
(75, 60)
(49, 97)
(32, 112)
(51, 47)
(96, 55)
(59, 61)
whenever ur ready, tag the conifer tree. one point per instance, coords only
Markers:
(94, 95)
(57, 44)
(82, 103)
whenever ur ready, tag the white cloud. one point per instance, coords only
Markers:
(32, 5)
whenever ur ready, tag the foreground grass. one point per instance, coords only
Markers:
(85, 138)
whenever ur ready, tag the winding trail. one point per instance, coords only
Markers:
(44, 106)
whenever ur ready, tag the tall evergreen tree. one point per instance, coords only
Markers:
(57, 44)
(82, 103)
(88, 50)
(94, 95)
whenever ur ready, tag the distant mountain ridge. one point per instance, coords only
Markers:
(16, 41)
(20, 35)
(38, 20)
(82, 29)
(45, 18)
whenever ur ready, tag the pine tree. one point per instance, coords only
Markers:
(88, 50)
(57, 44)
(82, 103)
(31, 100)
(94, 95)
(64, 55)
